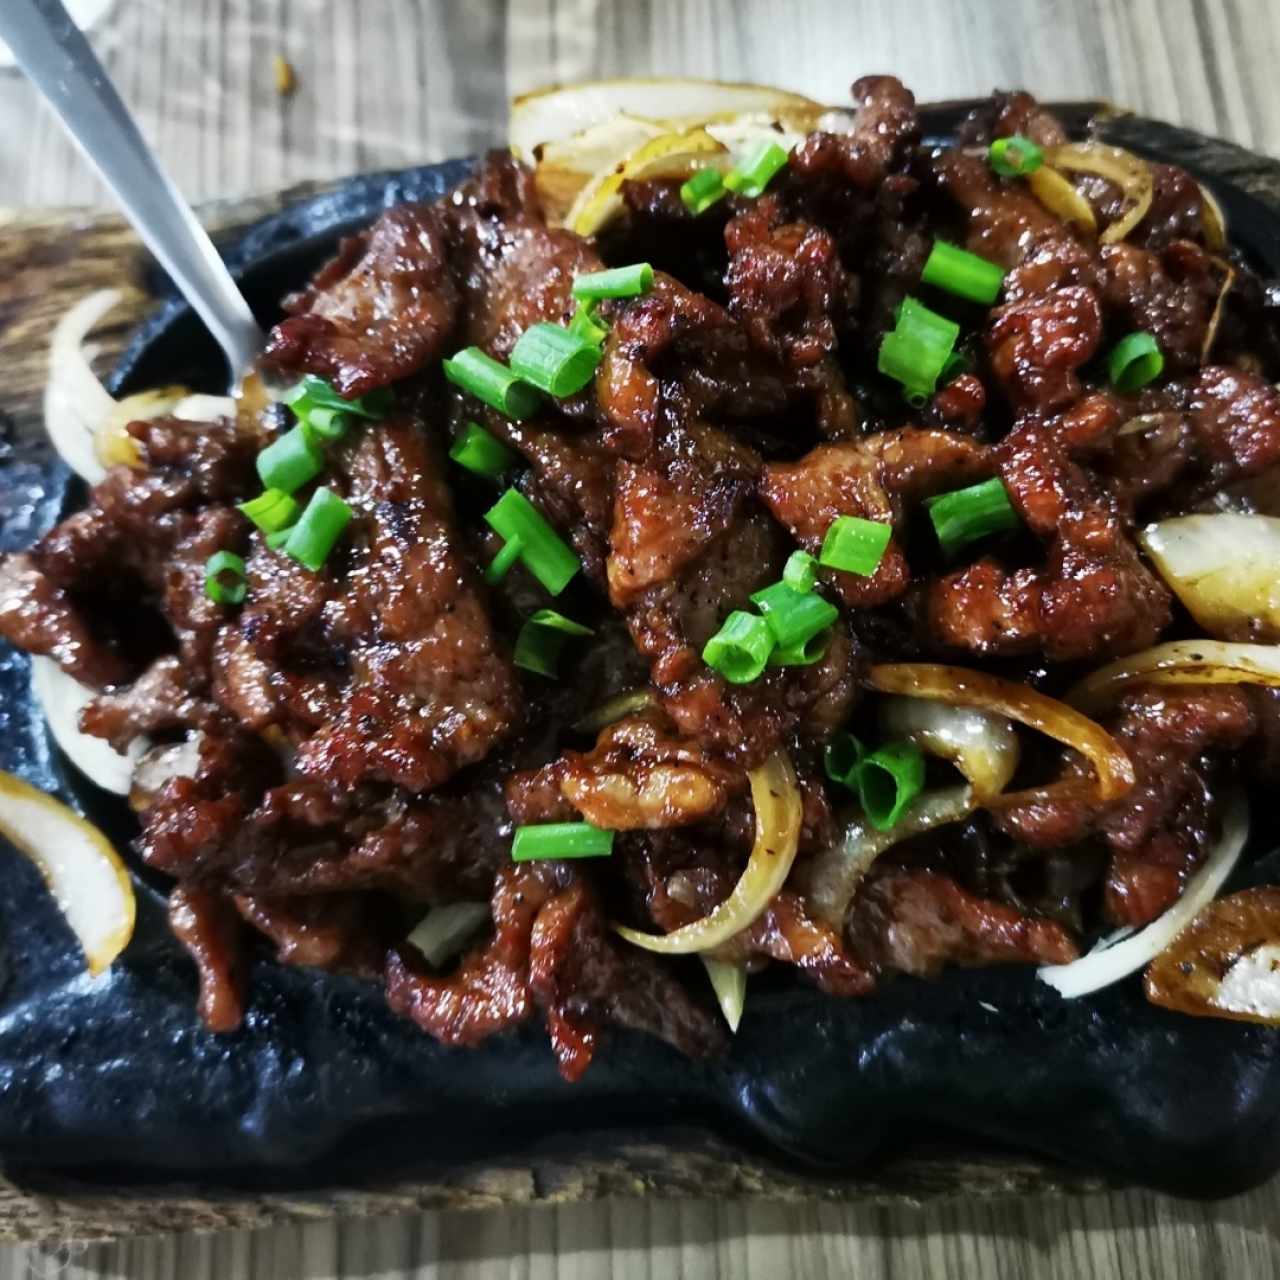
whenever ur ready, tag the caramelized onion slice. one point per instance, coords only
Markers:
(1132, 175)
(778, 813)
(1179, 662)
(613, 709)
(1226, 962)
(1225, 569)
(1212, 220)
(75, 402)
(962, 688)
(1104, 966)
(1060, 197)
(834, 875)
(983, 746)
(669, 155)
(729, 982)
(84, 873)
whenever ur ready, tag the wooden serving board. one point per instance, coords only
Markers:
(48, 261)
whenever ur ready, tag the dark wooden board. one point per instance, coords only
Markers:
(48, 260)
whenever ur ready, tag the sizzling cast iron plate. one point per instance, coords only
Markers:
(116, 1079)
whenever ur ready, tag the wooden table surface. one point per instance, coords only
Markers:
(383, 83)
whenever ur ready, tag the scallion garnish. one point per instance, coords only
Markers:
(541, 639)
(491, 382)
(586, 325)
(502, 563)
(841, 759)
(741, 648)
(962, 273)
(1015, 157)
(1134, 361)
(794, 616)
(277, 540)
(804, 654)
(855, 545)
(966, 515)
(801, 571)
(225, 581)
(616, 282)
(554, 360)
(544, 552)
(479, 451)
(318, 529)
(315, 393)
(916, 351)
(328, 425)
(547, 840)
(290, 461)
(704, 189)
(754, 175)
(888, 780)
(272, 510)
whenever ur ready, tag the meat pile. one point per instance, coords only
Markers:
(353, 746)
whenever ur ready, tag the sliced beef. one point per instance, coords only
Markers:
(381, 310)
(161, 699)
(1159, 832)
(918, 921)
(430, 688)
(344, 933)
(206, 924)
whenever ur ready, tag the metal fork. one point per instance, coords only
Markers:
(50, 48)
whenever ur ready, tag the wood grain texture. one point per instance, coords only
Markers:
(394, 82)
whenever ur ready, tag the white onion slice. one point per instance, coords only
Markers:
(83, 872)
(62, 698)
(444, 931)
(555, 113)
(1178, 662)
(1103, 968)
(982, 745)
(1225, 568)
(729, 982)
(778, 813)
(834, 875)
(75, 402)
(1252, 985)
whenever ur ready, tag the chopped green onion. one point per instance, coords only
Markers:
(585, 324)
(916, 351)
(315, 393)
(801, 571)
(541, 639)
(491, 382)
(966, 515)
(277, 540)
(794, 616)
(560, 840)
(272, 510)
(758, 171)
(318, 529)
(841, 759)
(501, 564)
(1134, 361)
(704, 189)
(617, 282)
(888, 780)
(479, 451)
(289, 462)
(963, 273)
(803, 654)
(740, 649)
(855, 545)
(555, 360)
(1015, 157)
(544, 552)
(328, 424)
(955, 366)
(225, 581)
